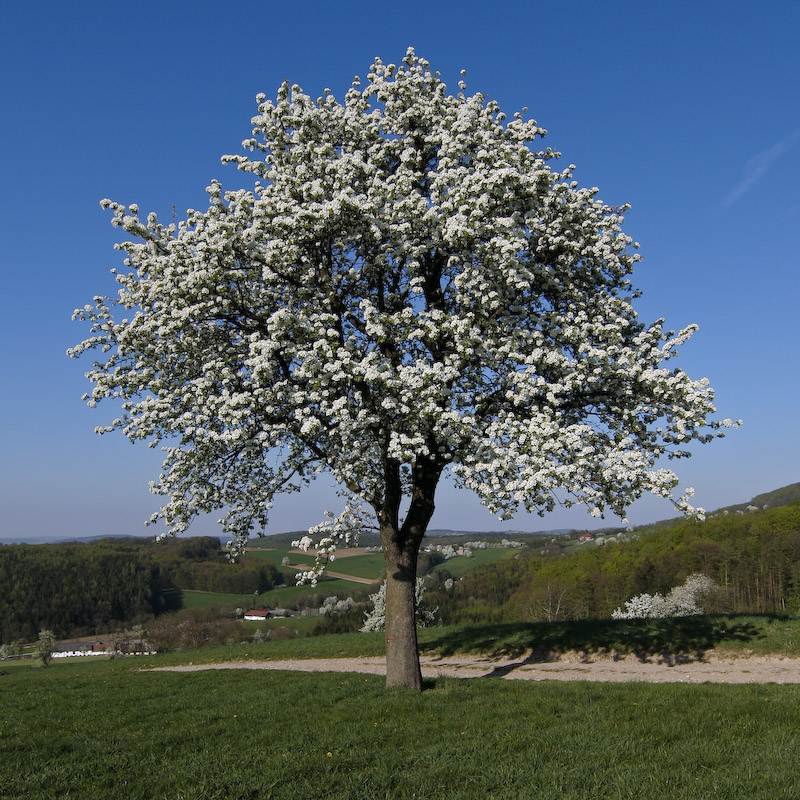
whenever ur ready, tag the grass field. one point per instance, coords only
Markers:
(366, 565)
(370, 565)
(109, 728)
(276, 556)
(302, 625)
(689, 636)
(275, 598)
(461, 565)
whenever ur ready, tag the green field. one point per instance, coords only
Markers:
(368, 565)
(275, 598)
(104, 728)
(683, 638)
(191, 598)
(459, 566)
(275, 556)
(302, 625)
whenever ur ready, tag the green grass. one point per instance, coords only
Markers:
(688, 637)
(101, 730)
(191, 598)
(682, 636)
(342, 645)
(275, 598)
(276, 556)
(368, 565)
(325, 588)
(302, 625)
(459, 566)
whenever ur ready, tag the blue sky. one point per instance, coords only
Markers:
(688, 111)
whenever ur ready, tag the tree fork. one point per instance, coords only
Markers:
(400, 549)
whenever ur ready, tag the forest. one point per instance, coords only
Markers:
(752, 556)
(77, 588)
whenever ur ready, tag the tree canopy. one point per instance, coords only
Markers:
(406, 287)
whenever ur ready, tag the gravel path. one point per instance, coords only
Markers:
(714, 668)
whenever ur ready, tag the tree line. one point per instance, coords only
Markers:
(83, 588)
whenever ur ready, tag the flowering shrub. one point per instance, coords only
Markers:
(43, 648)
(682, 601)
(333, 605)
(376, 619)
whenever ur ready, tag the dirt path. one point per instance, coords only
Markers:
(343, 575)
(714, 668)
(353, 578)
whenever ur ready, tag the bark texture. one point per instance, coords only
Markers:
(400, 549)
(402, 654)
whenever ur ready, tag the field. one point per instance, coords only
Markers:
(276, 555)
(275, 598)
(112, 728)
(459, 566)
(355, 561)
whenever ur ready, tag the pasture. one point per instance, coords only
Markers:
(114, 728)
(458, 566)
(275, 598)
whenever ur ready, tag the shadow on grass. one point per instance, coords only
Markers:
(671, 641)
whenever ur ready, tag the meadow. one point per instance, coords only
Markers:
(458, 566)
(114, 728)
(274, 598)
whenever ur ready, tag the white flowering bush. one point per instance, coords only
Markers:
(44, 646)
(682, 601)
(406, 287)
(375, 620)
(333, 605)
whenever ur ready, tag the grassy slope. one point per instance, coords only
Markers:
(99, 730)
(461, 565)
(271, 599)
(277, 554)
(366, 565)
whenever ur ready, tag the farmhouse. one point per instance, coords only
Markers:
(260, 614)
(257, 614)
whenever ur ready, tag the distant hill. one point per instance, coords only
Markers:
(284, 540)
(280, 541)
(774, 499)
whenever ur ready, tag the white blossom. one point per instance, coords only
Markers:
(681, 601)
(375, 620)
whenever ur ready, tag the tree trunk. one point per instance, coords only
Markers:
(402, 655)
(401, 545)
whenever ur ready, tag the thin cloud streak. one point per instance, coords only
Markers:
(759, 165)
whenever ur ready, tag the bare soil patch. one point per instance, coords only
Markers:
(714, 667)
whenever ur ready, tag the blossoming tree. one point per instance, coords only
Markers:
(407, 287)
